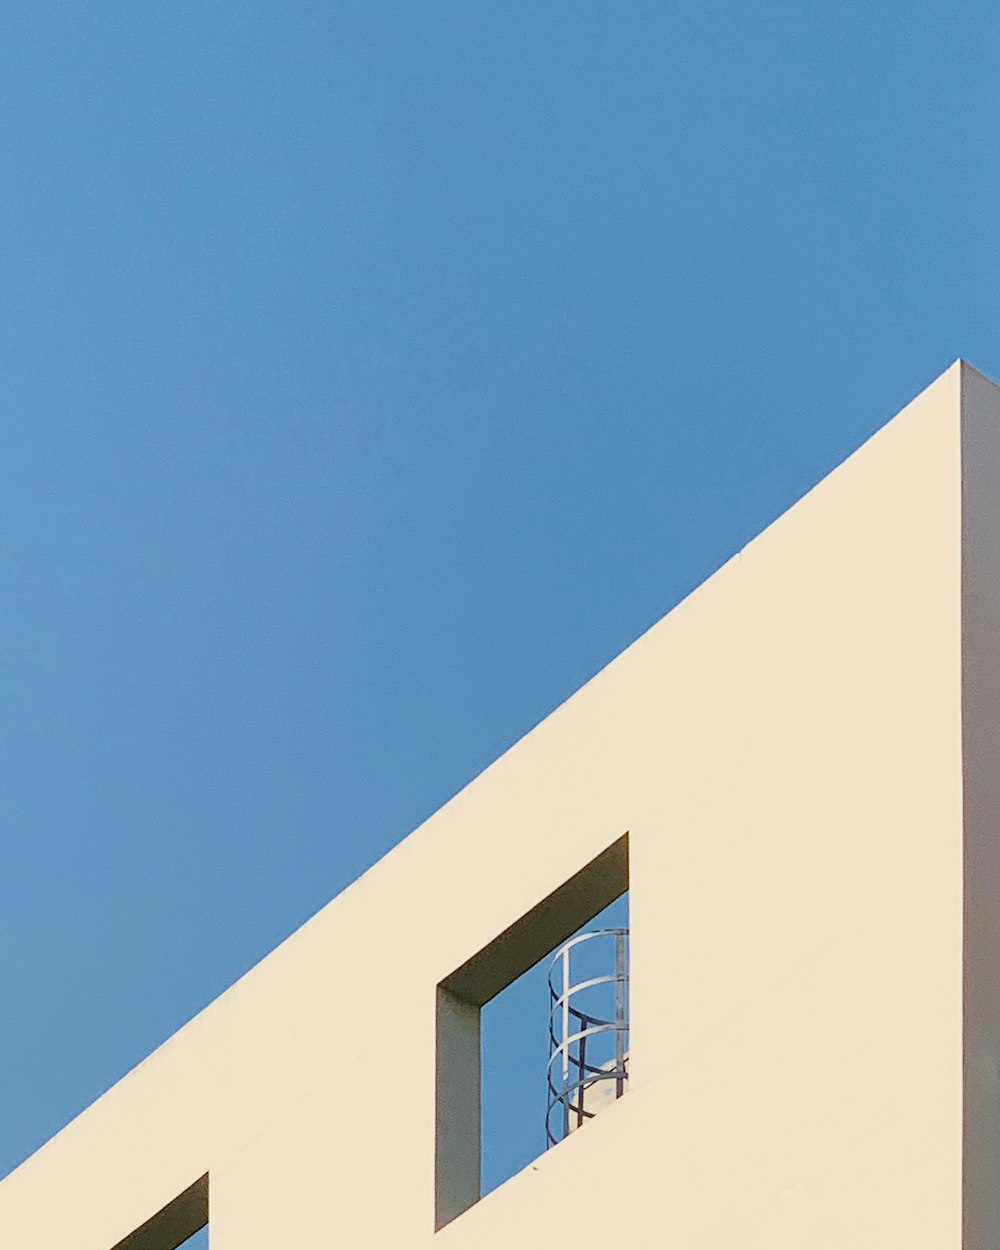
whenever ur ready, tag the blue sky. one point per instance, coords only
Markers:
(372, 375)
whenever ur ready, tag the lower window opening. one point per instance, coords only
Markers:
(181, 1225)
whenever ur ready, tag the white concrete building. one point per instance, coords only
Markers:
(797, 774)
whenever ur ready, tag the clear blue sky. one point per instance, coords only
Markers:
(372, 374)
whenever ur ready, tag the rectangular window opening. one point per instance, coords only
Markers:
(198, 1241)
(496, 1110)
(181, 1223)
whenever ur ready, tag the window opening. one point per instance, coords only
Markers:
(181, 1223)
(588, 1028)
(493, 1036)
(198, 1242)
(519, 1118)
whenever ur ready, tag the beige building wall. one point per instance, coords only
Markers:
(804, 757)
